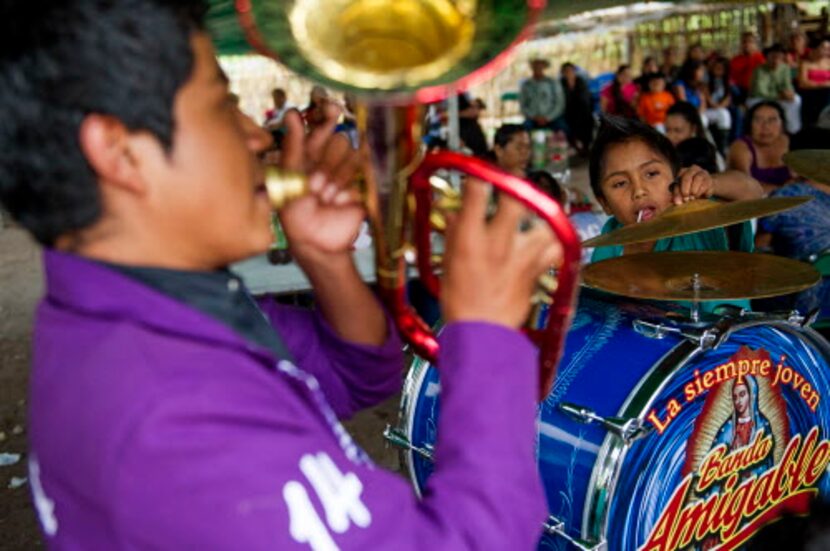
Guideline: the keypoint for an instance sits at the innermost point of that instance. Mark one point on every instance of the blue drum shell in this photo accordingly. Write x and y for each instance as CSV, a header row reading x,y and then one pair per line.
x,y
599,488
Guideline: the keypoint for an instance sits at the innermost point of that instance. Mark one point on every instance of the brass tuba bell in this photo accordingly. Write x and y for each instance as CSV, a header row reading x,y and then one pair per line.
x,y
394,55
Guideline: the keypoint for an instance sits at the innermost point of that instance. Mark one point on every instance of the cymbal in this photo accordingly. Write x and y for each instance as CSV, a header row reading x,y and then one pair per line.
x,y
719,275
693,217
810,163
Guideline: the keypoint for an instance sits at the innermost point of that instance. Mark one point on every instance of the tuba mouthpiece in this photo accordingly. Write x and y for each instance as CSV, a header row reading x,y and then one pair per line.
x,y
283,186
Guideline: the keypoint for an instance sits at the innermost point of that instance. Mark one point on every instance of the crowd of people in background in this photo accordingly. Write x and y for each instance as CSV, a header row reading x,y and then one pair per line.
x,y
732,116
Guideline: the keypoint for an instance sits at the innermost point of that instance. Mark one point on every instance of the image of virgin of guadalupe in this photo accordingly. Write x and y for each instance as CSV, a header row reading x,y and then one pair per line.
x,y
741,428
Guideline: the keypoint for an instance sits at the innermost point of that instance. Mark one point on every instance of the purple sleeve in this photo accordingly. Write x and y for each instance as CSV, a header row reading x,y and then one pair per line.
x,y
205,472
352,376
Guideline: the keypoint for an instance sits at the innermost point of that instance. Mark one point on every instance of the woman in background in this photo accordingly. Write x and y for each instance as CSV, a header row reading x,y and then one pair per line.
x,y
760,152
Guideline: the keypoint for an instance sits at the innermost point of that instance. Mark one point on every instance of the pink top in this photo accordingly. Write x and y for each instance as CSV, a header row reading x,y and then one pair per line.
x,y
629,91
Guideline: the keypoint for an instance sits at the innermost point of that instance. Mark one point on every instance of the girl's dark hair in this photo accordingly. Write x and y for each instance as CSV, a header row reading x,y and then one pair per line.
x,y
754,109
690,113
726,75
700,152
61,61
623,108
547,183
617,130
688,70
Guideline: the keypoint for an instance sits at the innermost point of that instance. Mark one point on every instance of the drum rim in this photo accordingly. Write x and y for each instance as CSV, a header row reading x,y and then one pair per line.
x,y
406,413
613,451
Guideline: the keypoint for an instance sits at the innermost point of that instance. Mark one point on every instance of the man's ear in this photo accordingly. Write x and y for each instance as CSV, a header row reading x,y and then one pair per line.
x,y
106,144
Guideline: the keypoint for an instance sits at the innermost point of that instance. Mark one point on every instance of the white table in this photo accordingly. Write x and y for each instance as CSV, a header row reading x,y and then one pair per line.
x,y
262,277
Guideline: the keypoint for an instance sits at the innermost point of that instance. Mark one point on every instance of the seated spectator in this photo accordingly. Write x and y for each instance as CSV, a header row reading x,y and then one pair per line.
x,y
670,66
469,129
797,52
654,103
760,151
683,122
802,233
649,67
720,108
511,149
578,110
696,52
814,81
771,81
744,64
700,152
620,97
691,87
542,99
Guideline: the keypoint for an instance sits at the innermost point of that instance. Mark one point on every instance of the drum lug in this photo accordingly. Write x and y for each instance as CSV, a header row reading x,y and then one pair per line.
x,y
556,527
629,430
396,437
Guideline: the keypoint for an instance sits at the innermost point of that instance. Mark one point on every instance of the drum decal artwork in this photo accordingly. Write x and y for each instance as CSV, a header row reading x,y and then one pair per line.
x,y
732,435
742,467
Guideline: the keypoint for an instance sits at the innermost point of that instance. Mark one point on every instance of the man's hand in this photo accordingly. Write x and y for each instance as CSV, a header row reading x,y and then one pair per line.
x,y
692,183
327,219
491,268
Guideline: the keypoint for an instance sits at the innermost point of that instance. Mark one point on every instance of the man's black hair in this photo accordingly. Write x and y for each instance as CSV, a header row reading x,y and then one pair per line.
x,y
506,132
616,130
700,152
61,61
774,49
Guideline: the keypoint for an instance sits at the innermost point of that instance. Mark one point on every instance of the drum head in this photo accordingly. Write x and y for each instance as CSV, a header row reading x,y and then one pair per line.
x,y
739,437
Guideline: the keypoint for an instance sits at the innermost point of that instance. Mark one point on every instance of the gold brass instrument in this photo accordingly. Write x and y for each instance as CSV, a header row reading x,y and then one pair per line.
x,y
393,55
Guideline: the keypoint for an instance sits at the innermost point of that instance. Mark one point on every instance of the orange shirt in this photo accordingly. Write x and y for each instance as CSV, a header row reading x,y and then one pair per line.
x,y
652,106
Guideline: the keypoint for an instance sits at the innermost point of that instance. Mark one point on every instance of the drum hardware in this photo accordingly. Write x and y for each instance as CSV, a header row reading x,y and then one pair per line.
x,y
705,338
398,438
715,275
693,217
810,163
629,430
556,527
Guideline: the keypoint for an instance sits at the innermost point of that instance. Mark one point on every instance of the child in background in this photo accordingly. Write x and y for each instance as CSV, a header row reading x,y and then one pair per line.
x,y
655,101
635,175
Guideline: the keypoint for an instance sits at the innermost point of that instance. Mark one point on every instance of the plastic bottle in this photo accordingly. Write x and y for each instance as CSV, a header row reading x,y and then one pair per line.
x,y
558,164
539,148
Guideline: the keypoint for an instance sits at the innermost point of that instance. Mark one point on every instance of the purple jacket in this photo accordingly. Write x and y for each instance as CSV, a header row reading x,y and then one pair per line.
x,y
154,426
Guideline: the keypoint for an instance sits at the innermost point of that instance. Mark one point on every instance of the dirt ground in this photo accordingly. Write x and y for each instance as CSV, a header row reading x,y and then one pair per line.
x,y
21,284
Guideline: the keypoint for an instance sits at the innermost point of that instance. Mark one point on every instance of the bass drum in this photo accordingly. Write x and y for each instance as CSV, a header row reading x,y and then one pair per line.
x,y
661,435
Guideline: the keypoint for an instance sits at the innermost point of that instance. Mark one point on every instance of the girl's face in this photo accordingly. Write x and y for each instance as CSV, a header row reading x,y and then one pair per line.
x,y
767,125
678,129
635,182
718,69
624,77
650,66
515,154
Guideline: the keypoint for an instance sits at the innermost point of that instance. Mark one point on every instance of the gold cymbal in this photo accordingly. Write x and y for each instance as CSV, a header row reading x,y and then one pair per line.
x,y
810,163
693,217
699,275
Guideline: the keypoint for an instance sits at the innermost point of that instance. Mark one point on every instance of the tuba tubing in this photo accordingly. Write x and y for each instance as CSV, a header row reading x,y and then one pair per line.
x,y
549,340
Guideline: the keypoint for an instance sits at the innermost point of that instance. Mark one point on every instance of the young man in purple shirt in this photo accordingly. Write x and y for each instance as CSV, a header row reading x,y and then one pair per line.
x,y
169,409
